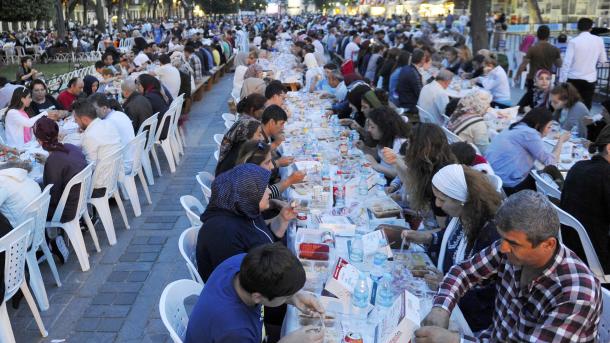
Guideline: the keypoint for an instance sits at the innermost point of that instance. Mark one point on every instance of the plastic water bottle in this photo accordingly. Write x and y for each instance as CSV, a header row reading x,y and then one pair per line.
x,y
339,191
574,132
385,295
356,253
360,295
363,187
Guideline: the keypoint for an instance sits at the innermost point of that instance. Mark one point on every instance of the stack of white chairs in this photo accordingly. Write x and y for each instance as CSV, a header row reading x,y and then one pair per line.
x,y
15,245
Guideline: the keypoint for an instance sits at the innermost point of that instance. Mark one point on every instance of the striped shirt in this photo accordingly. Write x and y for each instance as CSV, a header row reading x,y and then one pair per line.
x,y
563,304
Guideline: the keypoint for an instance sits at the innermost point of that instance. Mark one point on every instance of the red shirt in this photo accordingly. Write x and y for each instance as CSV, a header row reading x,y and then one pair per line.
x,y
66,99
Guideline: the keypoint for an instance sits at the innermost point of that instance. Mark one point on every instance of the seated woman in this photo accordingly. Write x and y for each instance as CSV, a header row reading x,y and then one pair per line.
x,y
232,221
368,101
242,61
513,152
251,107
570,112
388,130
18,128
41,100
151,88
64,161
539,95
242,131
496,82
428,151
91,84
467,120
471,201
314,73
259,153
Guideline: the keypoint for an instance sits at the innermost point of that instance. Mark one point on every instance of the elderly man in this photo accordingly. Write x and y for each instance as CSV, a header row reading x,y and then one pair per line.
x,y
545,292
136,106
433,98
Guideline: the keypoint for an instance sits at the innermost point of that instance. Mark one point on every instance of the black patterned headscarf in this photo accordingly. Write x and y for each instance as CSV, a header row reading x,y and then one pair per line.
x,y
240,190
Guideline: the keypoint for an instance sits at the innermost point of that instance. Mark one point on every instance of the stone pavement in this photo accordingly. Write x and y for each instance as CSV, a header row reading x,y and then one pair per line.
x,y
117,299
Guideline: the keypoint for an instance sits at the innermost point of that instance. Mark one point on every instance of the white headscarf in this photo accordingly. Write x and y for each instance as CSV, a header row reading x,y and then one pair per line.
x,y
451,181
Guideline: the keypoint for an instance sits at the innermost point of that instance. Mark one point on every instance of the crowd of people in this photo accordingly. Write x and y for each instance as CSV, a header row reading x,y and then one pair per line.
x,y
504,261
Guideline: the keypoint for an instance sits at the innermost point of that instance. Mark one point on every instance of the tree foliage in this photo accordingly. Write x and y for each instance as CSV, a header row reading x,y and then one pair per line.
x,y
218,7
252,5
26,10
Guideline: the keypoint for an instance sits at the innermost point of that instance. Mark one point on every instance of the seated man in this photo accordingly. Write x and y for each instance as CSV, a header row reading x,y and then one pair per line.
x,y
67,98
229,307
545,292
434,98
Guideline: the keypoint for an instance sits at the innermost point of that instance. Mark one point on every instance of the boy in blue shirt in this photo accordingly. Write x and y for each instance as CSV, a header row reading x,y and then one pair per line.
x,y
229,307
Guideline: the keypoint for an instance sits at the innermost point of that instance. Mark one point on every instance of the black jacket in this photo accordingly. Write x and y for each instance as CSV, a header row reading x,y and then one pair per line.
x,y
138,109
409,86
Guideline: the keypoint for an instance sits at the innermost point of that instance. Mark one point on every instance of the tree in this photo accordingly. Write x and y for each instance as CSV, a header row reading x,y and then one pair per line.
x,y
99,13
535,17
478,30
23,10
218,7
59,13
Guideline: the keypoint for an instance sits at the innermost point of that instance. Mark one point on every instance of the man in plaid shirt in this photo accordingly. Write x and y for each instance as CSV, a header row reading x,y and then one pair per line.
x,y
545,292
194,62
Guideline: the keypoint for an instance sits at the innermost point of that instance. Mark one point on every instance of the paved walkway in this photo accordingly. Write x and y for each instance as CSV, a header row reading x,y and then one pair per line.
x,y
117,299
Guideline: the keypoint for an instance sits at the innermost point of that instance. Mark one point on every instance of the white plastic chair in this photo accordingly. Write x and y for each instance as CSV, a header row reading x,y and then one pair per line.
x,y
603,331
228,124
217,155
427,117
72,228
37,209
129,181
496,181
150,124
166,143
171,307
451,137
15,245
176,139
205,179
106,176
568,220
187,244
218,138
544,186
229,117
193,208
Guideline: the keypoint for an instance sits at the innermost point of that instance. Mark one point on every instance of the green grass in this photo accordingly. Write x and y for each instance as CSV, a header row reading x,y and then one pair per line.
x,y
48,70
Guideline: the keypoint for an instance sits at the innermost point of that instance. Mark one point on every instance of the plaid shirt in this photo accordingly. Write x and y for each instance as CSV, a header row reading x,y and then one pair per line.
x,y
195,63
563,304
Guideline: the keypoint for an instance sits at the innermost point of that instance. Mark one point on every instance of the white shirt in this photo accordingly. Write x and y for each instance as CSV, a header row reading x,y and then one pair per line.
x,y
170,78
351,51
319,52
238,80
17,190
140,59
433,99
124,127
15,124
582,55
257,41
496,82
100,133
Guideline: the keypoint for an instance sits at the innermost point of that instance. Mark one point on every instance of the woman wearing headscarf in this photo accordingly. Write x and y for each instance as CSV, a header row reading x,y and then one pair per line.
x,y
467,120
254,70
251,86
467,196
537,96
241,66
150,87
243,130
232,222
314,73
64,161
91,84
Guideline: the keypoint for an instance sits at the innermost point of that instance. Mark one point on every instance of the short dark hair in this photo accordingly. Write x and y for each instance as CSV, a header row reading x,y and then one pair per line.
x,y
274,112
536,119
271,270
543,32
275,87
37,82
584,24
464,152
251,103
73,81
189,49
100,64
330,66
164,59
84,108
417,56
99,100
